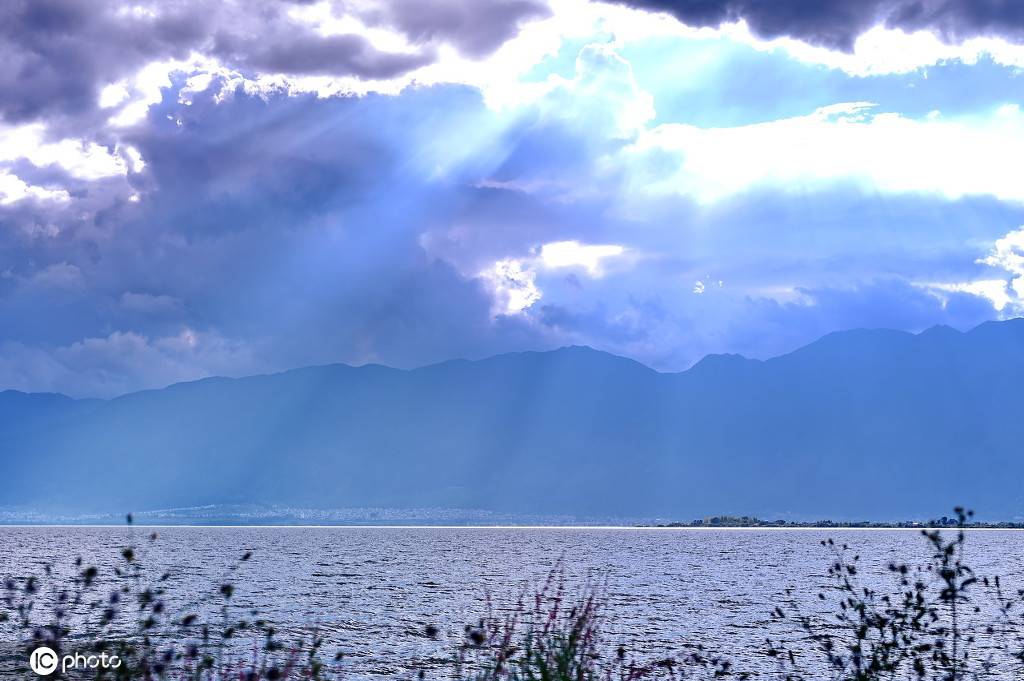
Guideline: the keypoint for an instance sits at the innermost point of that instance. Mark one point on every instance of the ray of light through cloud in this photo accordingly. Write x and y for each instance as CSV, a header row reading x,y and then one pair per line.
x,y
406,183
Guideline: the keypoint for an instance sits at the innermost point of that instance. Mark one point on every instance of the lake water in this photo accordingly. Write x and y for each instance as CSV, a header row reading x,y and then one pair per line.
x,y
372,590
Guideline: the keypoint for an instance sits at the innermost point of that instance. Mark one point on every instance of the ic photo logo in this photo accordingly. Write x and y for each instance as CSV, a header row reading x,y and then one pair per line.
x,y
44,661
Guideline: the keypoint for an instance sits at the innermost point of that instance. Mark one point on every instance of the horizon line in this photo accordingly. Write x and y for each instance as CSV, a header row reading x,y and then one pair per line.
x,y
699,528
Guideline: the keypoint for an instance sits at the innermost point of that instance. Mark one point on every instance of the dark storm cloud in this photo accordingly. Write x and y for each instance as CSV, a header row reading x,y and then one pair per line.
x,y
349,54
56,55
958,20
837,23
475,28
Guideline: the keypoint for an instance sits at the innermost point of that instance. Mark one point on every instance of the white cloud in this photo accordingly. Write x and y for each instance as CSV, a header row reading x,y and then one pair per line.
x,y
1006,295
113,94
145,88
131,99
514,286
1008,255
81,159
886,152
13,188
574,254
604,96
996,291
135,160
513,281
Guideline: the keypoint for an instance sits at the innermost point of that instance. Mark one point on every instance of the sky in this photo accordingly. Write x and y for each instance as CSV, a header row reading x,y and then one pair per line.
x,y
197,188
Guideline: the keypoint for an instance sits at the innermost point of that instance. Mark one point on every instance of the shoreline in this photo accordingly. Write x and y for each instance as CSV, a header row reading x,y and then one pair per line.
x,y
639,528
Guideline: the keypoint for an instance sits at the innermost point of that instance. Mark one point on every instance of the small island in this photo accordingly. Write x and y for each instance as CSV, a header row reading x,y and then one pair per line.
x,y
724,521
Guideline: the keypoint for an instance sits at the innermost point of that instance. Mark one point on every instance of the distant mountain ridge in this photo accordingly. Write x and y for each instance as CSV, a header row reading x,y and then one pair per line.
x,y
859,424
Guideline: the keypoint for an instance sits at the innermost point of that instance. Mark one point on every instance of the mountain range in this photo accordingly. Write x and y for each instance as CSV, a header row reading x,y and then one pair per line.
x,y
871,424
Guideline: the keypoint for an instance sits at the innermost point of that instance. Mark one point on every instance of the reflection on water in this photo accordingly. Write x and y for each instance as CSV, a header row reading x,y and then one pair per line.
x,y
371,591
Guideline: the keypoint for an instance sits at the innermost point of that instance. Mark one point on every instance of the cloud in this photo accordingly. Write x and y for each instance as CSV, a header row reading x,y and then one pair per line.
x,y
836,24
58,275
513,281
67,59
237,223
886,152
122,362
560,254
994,290
261,225
87,161
618,329
310,54
885,51
1008,255
856,45
514,287
13,188
149,303
475,28
603,95
1005,294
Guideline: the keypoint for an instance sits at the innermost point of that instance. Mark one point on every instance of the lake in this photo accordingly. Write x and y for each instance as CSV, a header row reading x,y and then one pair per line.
x,y
371,591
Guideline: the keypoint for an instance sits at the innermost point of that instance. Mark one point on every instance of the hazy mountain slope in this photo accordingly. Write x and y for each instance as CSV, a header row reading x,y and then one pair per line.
x,y
862,423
